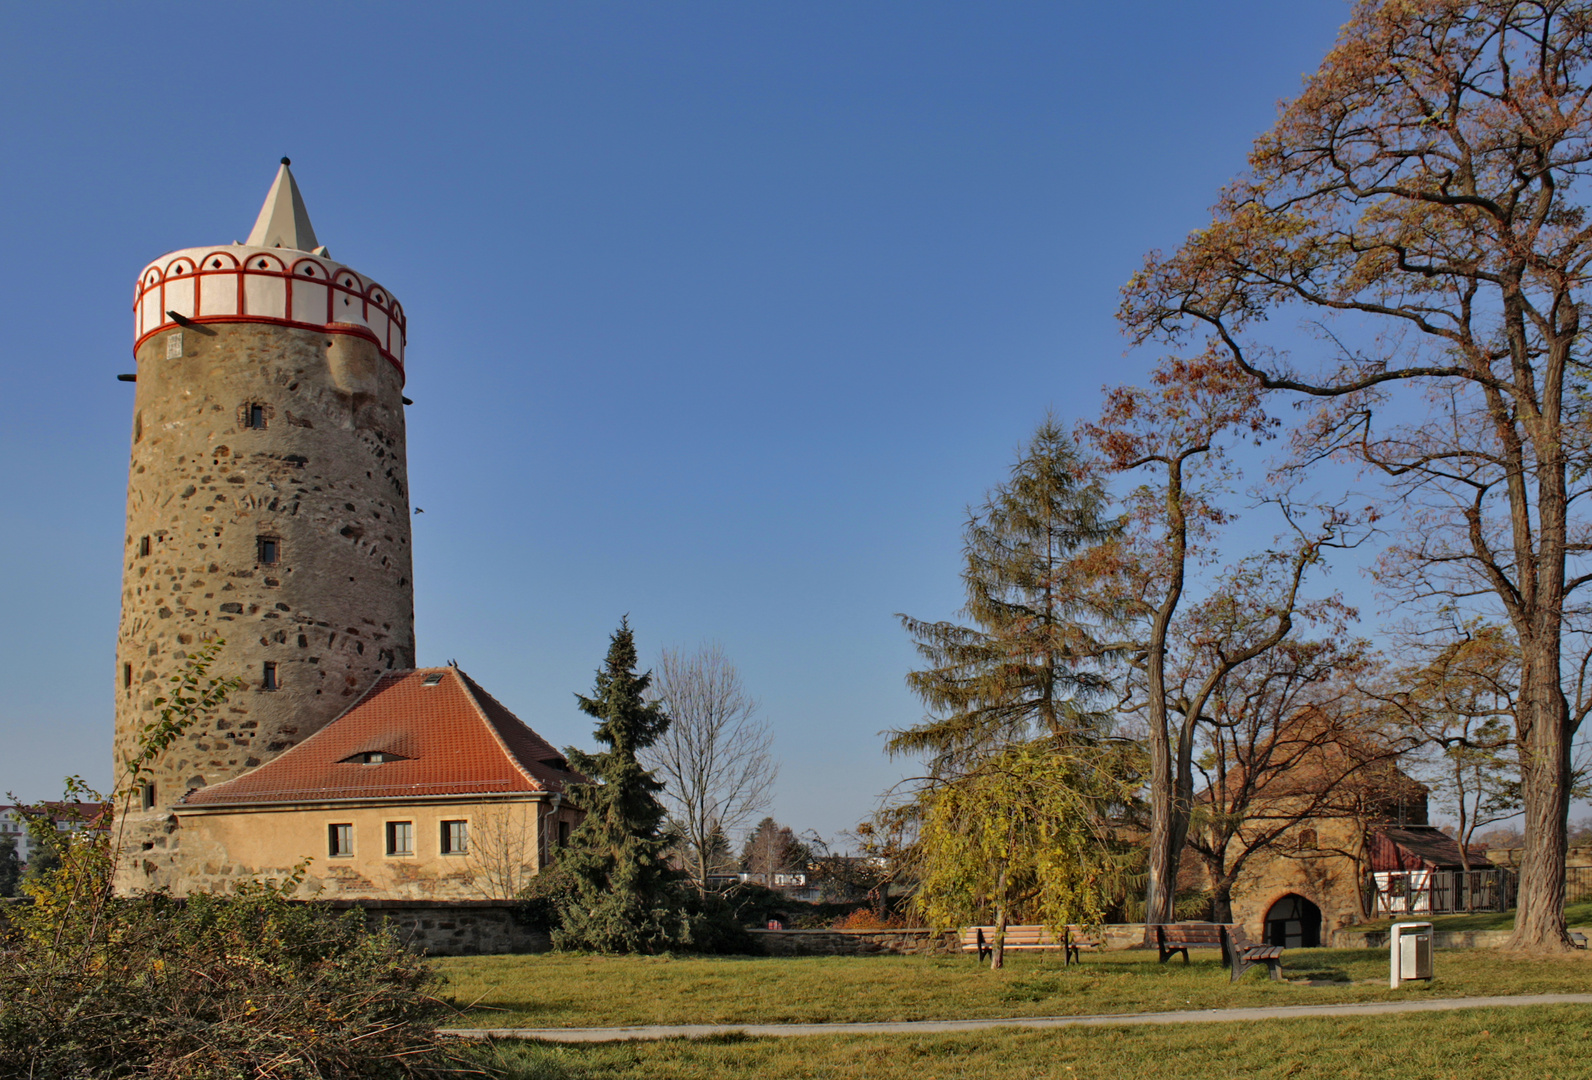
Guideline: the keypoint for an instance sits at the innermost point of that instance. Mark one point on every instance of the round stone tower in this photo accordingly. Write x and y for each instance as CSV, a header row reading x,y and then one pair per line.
x,y
267,506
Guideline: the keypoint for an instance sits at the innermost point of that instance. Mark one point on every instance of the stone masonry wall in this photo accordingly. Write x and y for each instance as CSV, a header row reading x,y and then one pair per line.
x,y
461,928
915,942
326,479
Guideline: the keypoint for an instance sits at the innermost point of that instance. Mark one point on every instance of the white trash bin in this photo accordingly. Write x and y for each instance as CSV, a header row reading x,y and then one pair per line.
x,y
1410,953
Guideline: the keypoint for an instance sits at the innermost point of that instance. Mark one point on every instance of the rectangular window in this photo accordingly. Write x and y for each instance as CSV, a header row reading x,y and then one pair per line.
x,y
127,676
254,416
268,676
143,547
340,841
147,796
400,838
270,549
455,838
563,834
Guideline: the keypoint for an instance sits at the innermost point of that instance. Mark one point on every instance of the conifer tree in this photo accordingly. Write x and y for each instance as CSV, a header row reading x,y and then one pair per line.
x,y
621,894
10,867
1029,666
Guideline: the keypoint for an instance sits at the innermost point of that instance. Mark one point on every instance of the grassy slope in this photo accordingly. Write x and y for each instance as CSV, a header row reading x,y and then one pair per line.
x,y
560,990
1498,1044
1575,914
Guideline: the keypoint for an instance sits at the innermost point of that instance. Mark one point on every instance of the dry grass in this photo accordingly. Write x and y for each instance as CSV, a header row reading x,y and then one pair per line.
x,y
1546,1043
560,990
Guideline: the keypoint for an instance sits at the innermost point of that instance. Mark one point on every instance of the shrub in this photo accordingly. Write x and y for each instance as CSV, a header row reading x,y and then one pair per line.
x,y
209,986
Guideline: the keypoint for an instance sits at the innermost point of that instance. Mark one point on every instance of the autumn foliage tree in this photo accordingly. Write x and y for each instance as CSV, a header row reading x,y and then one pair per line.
x,y
1172,441
1422,201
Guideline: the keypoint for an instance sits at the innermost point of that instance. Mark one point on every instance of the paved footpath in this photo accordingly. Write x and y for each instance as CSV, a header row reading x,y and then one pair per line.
x,y
939,1027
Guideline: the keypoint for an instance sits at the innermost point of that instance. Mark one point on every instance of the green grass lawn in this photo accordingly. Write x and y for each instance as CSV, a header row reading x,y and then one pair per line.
x,y
563,990
1577,915
1546,1043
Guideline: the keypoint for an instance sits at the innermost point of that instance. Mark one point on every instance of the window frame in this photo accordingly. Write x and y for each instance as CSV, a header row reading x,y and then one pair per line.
x,y
269,678
446,845
393,851
335,849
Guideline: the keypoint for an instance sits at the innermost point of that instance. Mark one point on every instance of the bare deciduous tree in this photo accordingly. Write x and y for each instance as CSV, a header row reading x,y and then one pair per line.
x,y
502,856
1423,200
716,759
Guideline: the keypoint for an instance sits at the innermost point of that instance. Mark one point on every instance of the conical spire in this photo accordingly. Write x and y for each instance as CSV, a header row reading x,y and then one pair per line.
x,y
283,221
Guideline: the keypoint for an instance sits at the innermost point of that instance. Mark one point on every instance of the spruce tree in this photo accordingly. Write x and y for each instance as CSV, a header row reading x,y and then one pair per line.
x,y
621,895
1029,666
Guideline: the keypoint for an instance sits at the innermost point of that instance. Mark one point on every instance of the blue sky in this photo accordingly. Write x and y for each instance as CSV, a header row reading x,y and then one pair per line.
x,y
720,314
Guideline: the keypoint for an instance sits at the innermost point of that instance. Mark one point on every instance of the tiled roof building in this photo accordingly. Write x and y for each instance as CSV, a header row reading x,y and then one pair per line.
x,y
425,788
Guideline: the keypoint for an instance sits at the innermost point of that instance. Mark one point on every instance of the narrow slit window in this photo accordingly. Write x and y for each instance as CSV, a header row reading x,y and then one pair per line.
x,y
268,676
254,416
340,841
147,796
400,838
270,549
127,676
143,547
455,838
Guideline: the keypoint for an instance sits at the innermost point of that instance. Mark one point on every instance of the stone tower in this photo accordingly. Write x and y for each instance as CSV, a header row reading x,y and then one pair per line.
x,y
267,505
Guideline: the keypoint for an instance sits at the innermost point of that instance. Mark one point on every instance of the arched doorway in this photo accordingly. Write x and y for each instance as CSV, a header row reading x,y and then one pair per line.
x,y
1294,923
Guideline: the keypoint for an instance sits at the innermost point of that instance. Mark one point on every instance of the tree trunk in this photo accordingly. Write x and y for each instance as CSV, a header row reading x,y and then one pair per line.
x,y
1545,775
997,956
1166,836
1221,899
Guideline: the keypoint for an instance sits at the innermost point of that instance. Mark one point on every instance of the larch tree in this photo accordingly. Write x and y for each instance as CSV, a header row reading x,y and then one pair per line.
x,y
1030,665
1422,201
621,897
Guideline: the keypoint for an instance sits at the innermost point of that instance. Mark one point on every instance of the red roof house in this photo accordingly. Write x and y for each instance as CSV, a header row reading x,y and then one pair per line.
x,y
427,787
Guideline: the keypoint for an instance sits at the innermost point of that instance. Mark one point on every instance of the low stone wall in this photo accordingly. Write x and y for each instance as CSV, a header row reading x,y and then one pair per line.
x,y
456,928
916,942
1441,939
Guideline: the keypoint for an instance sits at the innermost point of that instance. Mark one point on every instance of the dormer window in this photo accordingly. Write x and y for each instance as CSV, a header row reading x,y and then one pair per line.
x,y
373,757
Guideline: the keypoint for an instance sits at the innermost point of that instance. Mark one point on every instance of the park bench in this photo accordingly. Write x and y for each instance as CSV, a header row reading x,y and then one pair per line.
x,y
1238,953
981,939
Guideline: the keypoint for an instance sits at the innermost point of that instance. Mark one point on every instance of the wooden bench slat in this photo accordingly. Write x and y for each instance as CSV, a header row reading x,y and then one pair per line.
x,y
1238,953
981,939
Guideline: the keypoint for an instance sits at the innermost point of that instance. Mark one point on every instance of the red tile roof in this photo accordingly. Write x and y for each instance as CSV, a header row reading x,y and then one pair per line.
x,y
450,738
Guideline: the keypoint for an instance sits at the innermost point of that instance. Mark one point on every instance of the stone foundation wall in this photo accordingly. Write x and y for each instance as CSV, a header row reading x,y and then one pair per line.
x,y
916,942
461,928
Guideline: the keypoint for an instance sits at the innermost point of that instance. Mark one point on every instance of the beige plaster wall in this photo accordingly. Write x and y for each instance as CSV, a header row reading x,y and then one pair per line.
x,y
223,846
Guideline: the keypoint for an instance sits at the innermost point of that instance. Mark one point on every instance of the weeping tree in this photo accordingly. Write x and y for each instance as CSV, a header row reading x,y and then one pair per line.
x,y
1025,836
1029,665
